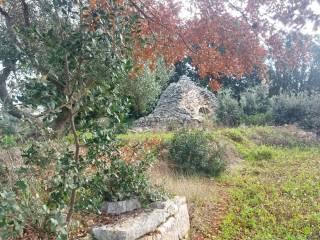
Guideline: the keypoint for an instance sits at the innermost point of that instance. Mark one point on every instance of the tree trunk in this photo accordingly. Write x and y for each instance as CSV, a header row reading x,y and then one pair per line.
x,y
4,95
61,121
76,158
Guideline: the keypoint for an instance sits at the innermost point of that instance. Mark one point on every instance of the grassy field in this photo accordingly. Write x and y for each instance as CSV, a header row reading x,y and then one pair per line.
x,y
273,193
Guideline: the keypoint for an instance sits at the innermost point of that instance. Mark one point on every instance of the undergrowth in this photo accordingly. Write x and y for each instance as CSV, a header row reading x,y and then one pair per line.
x,y
273,195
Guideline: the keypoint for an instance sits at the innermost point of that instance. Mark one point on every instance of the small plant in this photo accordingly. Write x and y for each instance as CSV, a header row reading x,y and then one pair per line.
x,y
7,141
8,125
235,135
173,125
150,82
261,153
228,110
255,100
122,181
196,152
11,216
258,119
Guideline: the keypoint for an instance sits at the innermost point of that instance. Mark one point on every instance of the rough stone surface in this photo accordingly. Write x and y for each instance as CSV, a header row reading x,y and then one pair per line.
x,y
182,103
175,228
119,207
169,222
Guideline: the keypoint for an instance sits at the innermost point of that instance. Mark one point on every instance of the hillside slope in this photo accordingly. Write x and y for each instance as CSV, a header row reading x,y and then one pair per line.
x,y
272,190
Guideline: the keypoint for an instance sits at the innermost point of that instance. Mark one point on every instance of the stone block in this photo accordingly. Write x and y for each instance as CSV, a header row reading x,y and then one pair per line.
x,y
168,221
175,228
120,207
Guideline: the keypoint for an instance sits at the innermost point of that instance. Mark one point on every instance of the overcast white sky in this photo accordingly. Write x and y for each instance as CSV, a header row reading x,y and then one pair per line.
x,y
308,29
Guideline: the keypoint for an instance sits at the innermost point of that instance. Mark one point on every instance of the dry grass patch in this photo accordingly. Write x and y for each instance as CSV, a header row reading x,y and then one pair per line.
x,y
207,198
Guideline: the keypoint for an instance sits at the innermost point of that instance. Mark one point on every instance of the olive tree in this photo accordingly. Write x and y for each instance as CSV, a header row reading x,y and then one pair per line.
x,y
66,59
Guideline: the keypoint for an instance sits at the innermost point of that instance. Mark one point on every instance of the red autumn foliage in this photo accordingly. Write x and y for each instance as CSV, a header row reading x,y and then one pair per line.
x,y
223,37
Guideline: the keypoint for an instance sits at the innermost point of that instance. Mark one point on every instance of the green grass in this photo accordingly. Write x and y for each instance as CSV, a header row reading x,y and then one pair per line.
x,y
275,195
275,198
143,136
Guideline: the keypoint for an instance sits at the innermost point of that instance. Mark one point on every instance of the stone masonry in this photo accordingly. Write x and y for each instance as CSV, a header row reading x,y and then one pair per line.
x,y
167,220
182,103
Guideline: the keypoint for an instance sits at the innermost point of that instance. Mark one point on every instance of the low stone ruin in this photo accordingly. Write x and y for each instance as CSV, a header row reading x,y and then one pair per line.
x,y
182,103
117,208
167,220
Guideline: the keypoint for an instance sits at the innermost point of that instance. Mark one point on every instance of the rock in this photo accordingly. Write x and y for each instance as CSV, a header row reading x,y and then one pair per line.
x,y
170,222
119,207
182,103
175,228
87,237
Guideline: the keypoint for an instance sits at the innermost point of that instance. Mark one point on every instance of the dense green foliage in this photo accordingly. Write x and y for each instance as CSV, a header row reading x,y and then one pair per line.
x,y
196,152
144,91
122,181
228,110
255,100
8,124
69,78
302,109
256,107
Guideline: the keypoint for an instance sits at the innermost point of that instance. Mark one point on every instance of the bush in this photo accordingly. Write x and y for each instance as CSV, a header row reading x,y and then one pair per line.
x,y
261,153
289,109
196,152
228,110
145,90
122,181
257,119
8,125
255,100
256,106
302,109
11,216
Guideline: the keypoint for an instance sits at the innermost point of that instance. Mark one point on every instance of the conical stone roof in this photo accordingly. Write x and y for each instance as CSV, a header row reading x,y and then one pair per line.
x,y
182,103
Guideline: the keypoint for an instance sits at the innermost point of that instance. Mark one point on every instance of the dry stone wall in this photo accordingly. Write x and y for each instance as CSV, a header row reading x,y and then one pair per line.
x,y
167,220
182,103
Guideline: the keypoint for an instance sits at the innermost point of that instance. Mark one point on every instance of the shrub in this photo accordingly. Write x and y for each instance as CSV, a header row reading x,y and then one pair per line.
x,y
255,100
290,108
145,90
235,135
302,109
228,110
257,119
122,181
22,206
8,125
260,153
11,216
196,152
256,106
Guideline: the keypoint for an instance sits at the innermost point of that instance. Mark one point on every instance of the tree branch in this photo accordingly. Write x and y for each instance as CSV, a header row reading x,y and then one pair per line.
x,y
5,14
4,95
161,24
26,13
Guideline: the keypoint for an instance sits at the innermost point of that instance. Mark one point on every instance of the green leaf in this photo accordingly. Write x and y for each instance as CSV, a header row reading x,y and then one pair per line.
x,y
22,185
